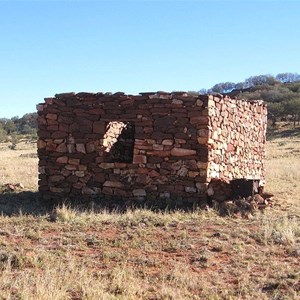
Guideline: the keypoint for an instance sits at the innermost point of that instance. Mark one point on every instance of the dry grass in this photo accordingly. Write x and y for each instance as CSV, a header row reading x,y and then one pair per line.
x,y
18,166
145,255
283,169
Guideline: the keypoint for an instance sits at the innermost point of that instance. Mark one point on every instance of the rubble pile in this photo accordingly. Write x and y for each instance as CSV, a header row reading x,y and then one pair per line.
x,y
245,206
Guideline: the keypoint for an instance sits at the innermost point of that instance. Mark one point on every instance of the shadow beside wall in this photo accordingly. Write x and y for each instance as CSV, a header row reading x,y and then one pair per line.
x,y
27,203
31,203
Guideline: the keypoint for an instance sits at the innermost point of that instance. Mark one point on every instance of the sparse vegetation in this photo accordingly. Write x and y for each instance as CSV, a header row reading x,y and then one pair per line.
x,y
139,254
145,255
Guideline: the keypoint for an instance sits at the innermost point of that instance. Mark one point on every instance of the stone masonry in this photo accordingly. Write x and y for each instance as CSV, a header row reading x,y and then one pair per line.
x,y
172,148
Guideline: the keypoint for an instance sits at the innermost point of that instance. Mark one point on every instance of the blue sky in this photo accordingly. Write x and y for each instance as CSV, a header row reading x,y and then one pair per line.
x,y
49,47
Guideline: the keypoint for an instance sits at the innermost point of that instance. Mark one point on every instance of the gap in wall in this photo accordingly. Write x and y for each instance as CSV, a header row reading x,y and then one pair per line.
x,y
118,142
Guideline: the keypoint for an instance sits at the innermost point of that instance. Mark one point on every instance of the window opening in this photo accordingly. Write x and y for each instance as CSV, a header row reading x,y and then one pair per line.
x,y
118,141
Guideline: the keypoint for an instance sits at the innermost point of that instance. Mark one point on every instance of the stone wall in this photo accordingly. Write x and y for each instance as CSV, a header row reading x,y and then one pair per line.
x,y
237,137
236,141
75,146
153,147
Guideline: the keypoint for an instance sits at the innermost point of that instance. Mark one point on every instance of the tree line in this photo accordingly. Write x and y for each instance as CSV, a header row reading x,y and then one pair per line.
x,y
11,129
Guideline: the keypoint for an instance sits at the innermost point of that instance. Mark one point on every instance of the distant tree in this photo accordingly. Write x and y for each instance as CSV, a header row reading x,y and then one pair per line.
x,y
250,95
9,126
287,77
26,129
17,123
223,87
260,80
293,86
25,125
293,108
217,88
240,85
275,110
29,119
277,94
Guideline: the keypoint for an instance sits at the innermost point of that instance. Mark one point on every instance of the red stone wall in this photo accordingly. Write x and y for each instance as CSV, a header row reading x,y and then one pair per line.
x,y
237,137
169,160
149,148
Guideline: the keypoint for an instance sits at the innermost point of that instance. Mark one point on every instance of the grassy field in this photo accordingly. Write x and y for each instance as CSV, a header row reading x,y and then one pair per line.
x,y
145,255
283,165
20,165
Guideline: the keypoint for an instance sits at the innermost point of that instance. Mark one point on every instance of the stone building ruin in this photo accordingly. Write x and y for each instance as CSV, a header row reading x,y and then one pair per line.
x,y
168,148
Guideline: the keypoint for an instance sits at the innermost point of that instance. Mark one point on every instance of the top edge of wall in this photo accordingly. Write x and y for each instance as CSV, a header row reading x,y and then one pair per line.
x,y
158,94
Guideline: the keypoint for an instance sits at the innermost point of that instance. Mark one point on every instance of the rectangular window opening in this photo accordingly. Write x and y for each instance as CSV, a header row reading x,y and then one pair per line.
x,y
118,142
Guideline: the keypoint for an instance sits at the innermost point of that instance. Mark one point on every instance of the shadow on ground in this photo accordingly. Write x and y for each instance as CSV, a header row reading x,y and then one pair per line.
x,y
275,134
26,202
30,203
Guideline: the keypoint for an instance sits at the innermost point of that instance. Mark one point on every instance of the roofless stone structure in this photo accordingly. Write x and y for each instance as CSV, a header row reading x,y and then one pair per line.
x,y
168,148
